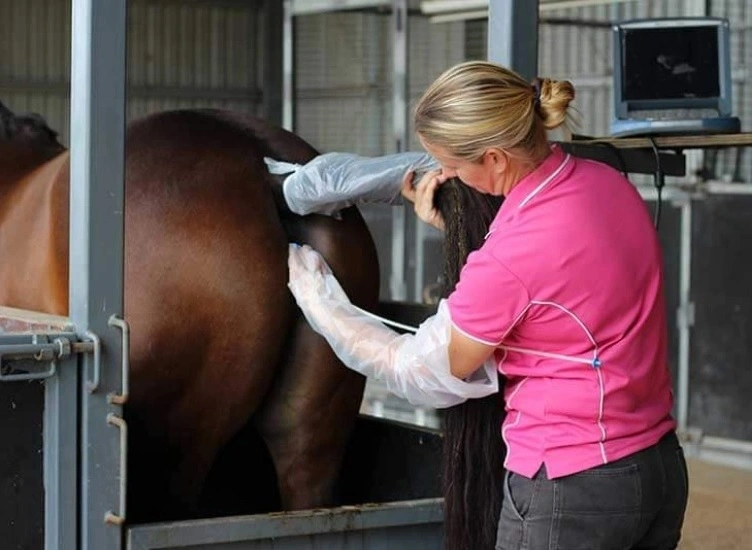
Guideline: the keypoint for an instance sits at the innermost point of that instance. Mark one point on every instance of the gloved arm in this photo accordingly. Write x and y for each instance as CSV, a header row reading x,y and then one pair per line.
x,y
333,181
414,367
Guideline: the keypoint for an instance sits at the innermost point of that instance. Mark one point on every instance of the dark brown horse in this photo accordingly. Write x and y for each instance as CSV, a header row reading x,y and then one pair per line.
x,y
216,338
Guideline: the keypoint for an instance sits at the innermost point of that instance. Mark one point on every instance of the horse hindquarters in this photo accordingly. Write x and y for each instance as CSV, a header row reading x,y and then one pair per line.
x,y
307,431
206,273
206,265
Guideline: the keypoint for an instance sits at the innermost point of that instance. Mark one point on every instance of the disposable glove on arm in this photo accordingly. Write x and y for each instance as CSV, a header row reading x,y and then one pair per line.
x,y
414,367
333,181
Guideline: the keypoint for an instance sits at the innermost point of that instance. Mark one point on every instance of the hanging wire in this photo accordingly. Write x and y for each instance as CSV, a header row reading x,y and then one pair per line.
x,y
659,180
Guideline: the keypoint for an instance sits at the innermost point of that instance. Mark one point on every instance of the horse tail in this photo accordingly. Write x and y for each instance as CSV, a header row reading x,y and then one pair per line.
x,y
473,453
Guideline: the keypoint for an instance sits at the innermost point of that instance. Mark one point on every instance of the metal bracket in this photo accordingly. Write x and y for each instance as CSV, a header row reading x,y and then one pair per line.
x,y
43,348
111,517
96,345
122,398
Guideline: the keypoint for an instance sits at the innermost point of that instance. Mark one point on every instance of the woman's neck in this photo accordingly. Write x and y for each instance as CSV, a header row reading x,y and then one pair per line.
x,y
520,167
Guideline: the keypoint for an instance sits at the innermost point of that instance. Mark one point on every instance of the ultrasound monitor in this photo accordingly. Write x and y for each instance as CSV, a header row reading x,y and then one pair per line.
x,y
672,76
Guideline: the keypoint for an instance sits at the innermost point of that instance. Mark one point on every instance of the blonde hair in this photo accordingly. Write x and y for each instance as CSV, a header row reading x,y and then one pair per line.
x,y
477,105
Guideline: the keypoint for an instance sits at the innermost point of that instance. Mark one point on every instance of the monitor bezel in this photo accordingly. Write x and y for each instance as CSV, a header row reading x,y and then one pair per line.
x,y
722,103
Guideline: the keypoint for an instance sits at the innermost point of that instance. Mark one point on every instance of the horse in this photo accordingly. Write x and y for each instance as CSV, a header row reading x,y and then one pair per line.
x,y
217,341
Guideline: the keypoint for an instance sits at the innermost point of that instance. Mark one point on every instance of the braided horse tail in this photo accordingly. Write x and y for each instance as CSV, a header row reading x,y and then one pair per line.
x,y
473,454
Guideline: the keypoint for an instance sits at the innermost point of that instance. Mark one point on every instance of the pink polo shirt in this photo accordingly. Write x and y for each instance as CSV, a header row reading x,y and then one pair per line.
x,y
568,285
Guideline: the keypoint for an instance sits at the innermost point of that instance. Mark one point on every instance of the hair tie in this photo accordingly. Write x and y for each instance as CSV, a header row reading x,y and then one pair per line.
x,y
537,93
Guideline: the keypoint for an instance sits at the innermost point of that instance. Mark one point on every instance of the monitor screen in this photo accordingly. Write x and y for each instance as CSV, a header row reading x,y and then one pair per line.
x,y
670,63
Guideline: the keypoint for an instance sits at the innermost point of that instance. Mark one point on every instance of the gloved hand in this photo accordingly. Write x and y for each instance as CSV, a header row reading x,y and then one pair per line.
x,y
414,367
333,181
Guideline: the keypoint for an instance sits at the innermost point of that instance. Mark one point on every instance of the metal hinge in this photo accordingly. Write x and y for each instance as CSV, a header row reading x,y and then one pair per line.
x,y
685,315
20,362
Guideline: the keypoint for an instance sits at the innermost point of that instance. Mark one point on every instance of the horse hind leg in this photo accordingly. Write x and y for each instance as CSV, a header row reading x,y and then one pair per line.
x,y
307,432
313,404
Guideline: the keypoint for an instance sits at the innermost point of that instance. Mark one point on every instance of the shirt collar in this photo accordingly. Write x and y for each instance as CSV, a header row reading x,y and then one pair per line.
x,y
536,181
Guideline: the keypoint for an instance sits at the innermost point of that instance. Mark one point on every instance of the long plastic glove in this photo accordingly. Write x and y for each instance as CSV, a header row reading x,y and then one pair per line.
x,y
333,181
414,367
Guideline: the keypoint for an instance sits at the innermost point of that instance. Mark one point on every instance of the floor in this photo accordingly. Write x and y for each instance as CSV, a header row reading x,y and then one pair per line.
x,y
719,514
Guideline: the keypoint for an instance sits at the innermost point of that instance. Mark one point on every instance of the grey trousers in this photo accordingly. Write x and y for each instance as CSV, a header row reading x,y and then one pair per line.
x,y
637,502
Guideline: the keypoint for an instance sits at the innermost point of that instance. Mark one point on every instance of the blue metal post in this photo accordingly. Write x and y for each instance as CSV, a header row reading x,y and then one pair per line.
x,y
400,132
60,453
513,35
96,256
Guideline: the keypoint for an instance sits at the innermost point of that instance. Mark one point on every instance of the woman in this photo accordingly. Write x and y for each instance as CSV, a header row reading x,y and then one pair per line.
x,y
565,298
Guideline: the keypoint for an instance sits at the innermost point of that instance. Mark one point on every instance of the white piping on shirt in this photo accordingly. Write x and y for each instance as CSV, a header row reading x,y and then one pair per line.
x,y
546,181
538,189
594,362
513,424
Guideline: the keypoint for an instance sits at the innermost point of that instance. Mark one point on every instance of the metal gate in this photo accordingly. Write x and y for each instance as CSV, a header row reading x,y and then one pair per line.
x,y
38,374
393,468
69,373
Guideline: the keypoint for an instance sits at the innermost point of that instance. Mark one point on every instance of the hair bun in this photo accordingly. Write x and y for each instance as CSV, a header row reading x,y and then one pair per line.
x,y
553,100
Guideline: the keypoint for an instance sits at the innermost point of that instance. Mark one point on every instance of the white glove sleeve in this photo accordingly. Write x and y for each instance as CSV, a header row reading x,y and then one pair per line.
x,y
414,367
333,181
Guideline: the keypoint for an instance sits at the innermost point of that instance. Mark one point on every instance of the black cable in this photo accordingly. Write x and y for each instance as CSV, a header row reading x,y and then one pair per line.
x,y
659,180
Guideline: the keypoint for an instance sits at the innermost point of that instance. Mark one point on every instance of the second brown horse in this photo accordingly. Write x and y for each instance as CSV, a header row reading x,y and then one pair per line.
x,y
216,338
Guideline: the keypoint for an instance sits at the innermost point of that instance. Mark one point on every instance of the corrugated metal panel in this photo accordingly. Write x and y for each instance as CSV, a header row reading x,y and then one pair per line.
x,y
35,61
433,49
476,40
344,76
736,164
341,81
192,54
181,53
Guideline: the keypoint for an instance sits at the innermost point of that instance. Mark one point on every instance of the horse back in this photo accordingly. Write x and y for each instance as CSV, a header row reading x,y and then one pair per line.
x,y
34,203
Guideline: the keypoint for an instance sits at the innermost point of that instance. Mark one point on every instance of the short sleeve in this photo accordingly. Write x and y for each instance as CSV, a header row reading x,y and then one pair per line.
x,y
488,300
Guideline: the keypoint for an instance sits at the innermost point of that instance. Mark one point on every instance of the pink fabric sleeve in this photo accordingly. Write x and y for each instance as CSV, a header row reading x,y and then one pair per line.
x,y
488,300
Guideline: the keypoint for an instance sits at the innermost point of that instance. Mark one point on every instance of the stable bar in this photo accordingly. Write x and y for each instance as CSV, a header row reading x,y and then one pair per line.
x,y
678,142
367,526
513,35
301,7
398,282
684,318
633,161
288,67
96,251
273,20
60,456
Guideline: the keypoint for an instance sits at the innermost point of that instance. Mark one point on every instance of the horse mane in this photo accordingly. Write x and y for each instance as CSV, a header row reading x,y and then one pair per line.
x,y
28,134
473,457
33,129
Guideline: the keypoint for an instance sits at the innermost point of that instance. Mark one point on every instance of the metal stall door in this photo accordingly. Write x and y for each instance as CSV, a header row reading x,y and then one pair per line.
x,y
62,381
413,525
38,387
389,498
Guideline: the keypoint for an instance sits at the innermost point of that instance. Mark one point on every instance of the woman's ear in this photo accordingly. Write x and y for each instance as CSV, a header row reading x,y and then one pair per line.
x,y
497,159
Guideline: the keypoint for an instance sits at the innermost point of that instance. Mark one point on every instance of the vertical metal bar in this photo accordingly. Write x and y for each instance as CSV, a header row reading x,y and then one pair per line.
x,y
685,315
60,454
696,157
695,8
288,67
513,35
96,248
398,283
273,21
